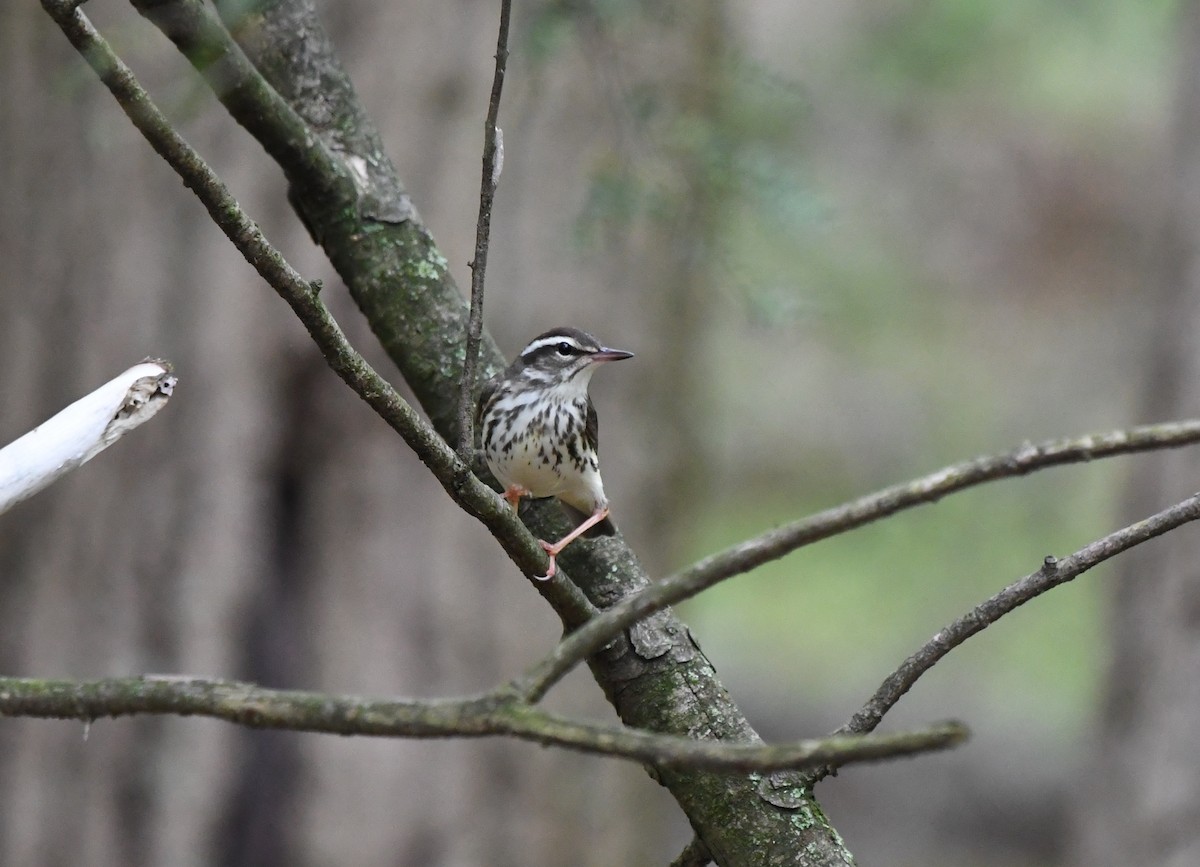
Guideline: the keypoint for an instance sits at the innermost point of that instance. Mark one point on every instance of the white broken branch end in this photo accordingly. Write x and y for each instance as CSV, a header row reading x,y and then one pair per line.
x,y
83,430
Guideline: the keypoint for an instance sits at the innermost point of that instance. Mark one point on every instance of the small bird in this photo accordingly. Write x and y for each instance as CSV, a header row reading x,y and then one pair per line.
x,y
539,429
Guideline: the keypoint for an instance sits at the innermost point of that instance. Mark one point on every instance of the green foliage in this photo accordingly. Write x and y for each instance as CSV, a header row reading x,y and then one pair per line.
x,y
1079,58
546,27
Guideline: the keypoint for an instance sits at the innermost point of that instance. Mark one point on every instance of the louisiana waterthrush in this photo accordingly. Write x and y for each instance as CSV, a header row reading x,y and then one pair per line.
x,y
539,431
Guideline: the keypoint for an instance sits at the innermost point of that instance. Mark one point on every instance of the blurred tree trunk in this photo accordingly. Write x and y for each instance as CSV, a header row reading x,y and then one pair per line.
x,y
1143,805
658,196
681,260
246,540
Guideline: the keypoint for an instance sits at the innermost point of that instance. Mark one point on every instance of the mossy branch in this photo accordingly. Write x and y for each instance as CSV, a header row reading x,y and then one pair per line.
x,y
487,715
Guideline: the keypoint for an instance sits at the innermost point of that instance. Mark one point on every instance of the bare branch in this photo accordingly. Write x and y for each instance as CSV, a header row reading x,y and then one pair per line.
x,y
1052,573
771,546
493,714
1021,461
78,433
493,162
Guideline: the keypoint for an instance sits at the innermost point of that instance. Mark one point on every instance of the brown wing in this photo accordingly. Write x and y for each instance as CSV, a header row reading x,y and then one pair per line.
x,y
591,428
485,395
591,437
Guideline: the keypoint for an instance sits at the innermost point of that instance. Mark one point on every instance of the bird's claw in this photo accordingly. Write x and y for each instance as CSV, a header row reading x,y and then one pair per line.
x,y
552,552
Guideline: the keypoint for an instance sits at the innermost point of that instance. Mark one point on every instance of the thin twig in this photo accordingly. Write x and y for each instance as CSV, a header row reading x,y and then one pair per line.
x,y
1052,573
770,546
489,715
475,497
493,163
196,30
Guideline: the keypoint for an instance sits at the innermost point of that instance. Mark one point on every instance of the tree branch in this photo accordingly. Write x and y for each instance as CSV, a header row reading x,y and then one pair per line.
x,y
488,715
1021,461
201,37
493,164
77,434
1052,573
752,553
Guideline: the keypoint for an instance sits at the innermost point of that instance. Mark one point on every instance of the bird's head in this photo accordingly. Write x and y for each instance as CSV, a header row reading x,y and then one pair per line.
x,y
564,357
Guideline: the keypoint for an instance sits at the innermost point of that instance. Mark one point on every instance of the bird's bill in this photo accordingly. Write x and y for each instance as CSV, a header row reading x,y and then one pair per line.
x,y
606,354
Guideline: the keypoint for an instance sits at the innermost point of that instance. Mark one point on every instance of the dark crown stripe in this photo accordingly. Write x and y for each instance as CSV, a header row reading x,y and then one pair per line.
x,y
549,343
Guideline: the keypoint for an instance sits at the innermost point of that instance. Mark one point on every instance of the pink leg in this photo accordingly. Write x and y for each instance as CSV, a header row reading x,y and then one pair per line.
x,y
555,549
513,494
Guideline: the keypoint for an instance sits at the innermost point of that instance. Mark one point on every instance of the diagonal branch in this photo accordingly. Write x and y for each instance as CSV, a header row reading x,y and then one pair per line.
x,y
200,36
1024,459
1053,573
487,715
493,164
752,553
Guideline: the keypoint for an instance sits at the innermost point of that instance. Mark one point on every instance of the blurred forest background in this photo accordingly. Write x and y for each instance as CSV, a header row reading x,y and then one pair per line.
x,y
850,241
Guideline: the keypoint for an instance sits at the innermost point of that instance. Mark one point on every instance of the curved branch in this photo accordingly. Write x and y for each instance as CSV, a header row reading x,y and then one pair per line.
x,y
1024,459
752,553
489,715
1053,573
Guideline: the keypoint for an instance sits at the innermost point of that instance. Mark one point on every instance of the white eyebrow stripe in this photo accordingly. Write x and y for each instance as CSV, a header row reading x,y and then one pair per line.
x,y
552,341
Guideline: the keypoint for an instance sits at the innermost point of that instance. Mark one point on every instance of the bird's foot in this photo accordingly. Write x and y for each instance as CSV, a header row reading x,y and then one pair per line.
x,y
513,494
552,552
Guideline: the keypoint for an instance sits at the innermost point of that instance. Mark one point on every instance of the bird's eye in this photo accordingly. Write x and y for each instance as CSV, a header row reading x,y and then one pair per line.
x,y
565,349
